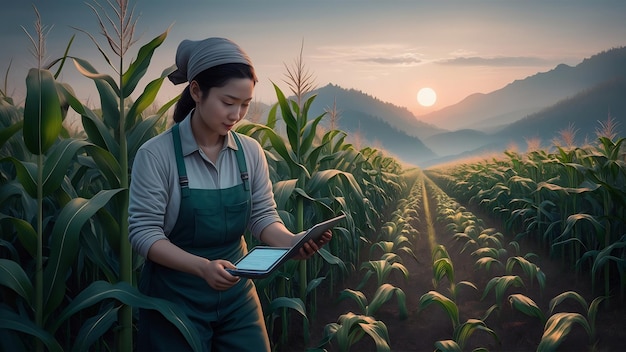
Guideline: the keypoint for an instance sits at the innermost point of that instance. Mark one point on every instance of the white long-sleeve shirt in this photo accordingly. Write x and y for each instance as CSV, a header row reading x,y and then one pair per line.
x,y
155,192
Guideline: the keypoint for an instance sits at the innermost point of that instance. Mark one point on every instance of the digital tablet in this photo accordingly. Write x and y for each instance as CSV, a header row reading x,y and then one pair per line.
x,y
262,260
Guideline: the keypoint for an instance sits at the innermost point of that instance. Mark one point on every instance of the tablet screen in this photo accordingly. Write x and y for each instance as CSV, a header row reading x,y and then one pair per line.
x,y
261,258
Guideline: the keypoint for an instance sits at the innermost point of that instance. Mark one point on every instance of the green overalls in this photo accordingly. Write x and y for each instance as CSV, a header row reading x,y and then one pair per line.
x,y
210,224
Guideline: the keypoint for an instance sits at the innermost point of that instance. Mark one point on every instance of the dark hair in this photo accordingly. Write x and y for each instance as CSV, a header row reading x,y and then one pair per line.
x,y
216,76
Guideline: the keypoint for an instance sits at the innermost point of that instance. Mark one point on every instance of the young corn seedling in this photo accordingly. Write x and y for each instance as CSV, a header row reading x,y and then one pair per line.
x,y
500,285
381,296
560,324
530,269
462,335
443,267
351,328
382,269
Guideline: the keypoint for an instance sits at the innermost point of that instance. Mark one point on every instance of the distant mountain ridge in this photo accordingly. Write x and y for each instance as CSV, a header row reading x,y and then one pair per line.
x,y
539,106
350,99
532,94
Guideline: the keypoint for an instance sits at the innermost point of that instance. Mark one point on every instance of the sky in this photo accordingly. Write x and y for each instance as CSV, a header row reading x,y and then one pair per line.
x,y
386,49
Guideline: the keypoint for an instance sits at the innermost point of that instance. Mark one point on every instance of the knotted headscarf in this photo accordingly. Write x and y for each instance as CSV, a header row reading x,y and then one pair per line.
x,y
195,56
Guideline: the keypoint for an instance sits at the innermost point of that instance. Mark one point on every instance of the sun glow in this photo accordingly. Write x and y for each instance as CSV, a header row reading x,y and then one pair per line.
x,y
426,97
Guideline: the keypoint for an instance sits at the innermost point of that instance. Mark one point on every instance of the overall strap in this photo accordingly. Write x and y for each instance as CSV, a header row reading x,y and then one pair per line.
x,y
241,161
180,162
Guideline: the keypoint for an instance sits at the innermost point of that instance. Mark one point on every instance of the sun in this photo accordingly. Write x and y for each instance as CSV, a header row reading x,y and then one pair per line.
x,y
426,97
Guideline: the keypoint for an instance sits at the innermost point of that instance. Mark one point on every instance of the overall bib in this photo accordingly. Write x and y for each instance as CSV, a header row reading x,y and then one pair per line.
x,y
210,224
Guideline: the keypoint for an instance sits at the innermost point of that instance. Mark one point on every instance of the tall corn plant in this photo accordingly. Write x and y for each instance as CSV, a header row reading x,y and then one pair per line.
x,y
40,131
122,130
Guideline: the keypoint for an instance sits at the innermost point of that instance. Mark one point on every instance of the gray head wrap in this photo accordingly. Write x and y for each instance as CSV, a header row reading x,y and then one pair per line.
x,y
193,57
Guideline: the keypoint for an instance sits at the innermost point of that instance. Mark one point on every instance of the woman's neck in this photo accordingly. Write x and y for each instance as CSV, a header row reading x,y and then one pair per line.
x,y
204,136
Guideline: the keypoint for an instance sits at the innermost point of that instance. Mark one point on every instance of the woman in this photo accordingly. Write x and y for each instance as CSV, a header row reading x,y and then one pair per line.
x,y
195,189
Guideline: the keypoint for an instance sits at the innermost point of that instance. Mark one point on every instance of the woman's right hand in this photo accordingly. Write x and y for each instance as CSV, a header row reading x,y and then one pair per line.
x,y
212,271
217,277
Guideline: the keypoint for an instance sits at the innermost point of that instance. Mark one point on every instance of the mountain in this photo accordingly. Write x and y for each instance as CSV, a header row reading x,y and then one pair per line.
x,y
367,120
585,112
397,117
538,107
492,111
382,125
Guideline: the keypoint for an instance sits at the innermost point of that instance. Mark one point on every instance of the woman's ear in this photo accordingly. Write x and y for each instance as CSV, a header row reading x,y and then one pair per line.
x,y
195,91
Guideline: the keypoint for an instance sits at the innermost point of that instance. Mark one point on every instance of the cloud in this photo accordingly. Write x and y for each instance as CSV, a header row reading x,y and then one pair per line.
x,y
499,61
381,55
404,60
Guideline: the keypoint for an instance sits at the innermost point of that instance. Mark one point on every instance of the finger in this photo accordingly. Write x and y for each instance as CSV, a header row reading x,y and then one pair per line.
x,y
313,246
303,253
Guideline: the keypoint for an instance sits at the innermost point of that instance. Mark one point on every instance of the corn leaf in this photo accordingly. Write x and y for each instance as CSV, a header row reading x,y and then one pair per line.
x,y
7,132
378,332
57,163
442,267
444,302
526,305
108,90
64,243
382,295
107,164
42,112
357,296
139,67
99,291
567,295
447,346
146,98
26,174
25,232
9,320
13,277
93,328
465,330
501,284
558,327
95,128
287,302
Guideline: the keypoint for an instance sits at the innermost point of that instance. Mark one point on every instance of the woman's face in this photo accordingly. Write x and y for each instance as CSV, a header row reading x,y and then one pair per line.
x,y
222,107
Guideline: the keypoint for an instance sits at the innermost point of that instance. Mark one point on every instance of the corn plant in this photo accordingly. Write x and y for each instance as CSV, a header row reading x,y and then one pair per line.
x,y
351,328
462,335
500,285
527,306
443,267
393,238
381,269
530,269
559,324
448,305
382,295
121,129
602,259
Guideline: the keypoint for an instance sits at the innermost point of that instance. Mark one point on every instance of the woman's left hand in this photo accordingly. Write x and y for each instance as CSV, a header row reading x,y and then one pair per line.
x,y
311,247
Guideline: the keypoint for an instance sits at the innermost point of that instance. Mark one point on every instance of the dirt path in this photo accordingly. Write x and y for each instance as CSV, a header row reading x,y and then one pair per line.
x,y
516,331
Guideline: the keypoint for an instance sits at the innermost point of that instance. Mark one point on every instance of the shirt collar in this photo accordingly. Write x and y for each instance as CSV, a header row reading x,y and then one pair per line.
x,y
189,144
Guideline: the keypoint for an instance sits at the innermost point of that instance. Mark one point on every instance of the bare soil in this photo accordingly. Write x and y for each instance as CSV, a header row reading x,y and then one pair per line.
x,y
515,331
